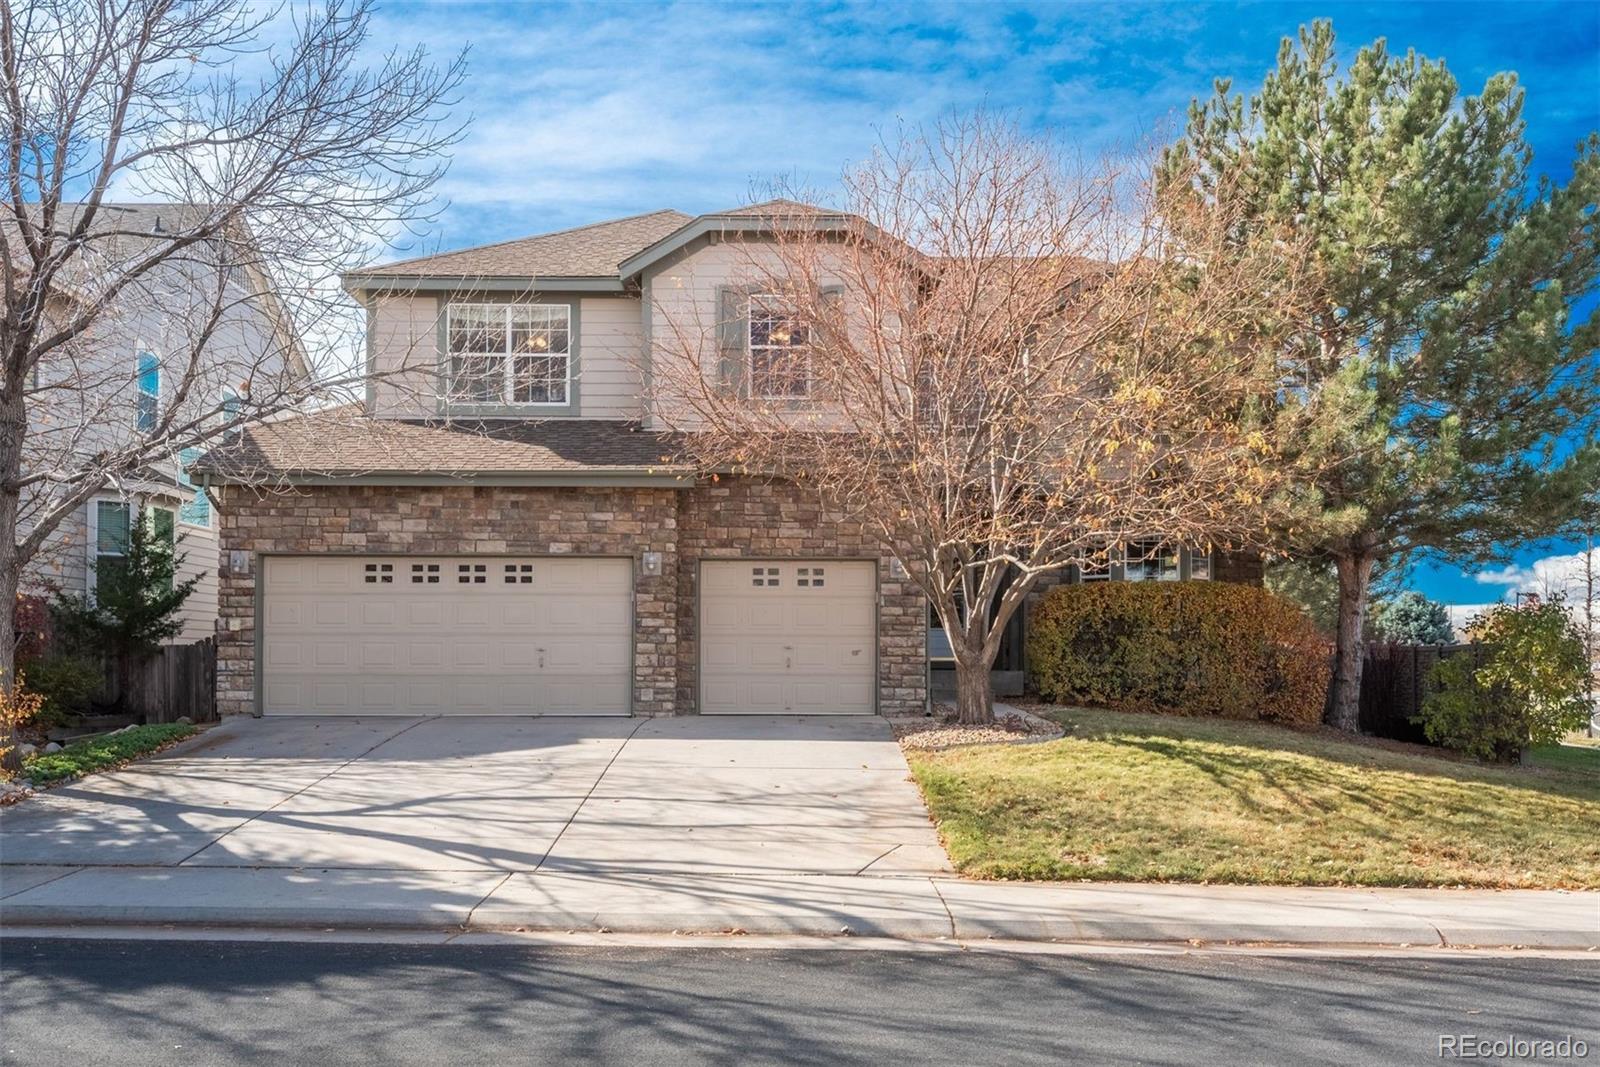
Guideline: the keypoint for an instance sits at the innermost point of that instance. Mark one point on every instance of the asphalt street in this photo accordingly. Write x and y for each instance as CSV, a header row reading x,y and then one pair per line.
x,y
87,1002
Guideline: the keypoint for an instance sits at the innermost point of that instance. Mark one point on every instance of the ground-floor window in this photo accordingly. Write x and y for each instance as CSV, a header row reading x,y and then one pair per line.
x,y
110,525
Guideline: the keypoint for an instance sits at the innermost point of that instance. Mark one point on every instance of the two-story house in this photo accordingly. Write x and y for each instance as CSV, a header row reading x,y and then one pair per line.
x,y
502,527
124,389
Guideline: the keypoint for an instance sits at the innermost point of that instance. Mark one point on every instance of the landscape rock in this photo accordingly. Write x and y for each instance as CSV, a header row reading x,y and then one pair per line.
x,y
185,720
52,747
25,750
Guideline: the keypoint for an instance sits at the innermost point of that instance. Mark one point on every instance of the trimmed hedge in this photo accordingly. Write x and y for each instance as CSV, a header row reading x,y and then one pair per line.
x,y
1186,648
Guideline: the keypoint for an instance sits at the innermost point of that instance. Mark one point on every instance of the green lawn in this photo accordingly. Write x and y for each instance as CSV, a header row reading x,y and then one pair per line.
x,y
1131,797
112,750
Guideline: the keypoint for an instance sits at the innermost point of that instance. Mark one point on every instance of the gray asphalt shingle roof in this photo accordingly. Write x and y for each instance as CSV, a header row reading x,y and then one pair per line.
x,y
346,442
592,251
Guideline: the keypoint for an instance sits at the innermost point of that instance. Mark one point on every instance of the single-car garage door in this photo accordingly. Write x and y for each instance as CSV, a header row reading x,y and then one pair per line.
x,y
470,635
783,637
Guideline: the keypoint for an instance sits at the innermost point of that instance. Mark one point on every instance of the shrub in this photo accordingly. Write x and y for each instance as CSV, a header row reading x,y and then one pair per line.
x,y
1531,688
31,618
18,706
1192,648
66,684
100,753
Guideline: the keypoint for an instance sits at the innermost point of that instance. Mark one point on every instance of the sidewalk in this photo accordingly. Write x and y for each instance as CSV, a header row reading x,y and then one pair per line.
x,y
913,908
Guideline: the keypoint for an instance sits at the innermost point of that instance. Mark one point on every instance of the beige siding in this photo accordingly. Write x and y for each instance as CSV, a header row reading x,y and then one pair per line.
x,y
198,546
611,352
683,319
63,561
405,345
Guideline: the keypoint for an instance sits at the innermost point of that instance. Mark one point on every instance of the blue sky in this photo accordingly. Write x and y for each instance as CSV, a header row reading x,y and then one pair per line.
x,y
588,111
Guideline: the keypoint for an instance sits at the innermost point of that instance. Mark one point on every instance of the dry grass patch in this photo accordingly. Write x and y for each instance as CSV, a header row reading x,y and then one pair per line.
x,y
1133,797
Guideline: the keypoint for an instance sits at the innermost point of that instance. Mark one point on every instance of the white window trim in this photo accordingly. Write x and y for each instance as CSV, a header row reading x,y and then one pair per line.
x,y
92,572
768,300
508,375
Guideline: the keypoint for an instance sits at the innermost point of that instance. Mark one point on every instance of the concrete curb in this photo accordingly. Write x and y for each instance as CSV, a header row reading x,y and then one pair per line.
x,y
908,908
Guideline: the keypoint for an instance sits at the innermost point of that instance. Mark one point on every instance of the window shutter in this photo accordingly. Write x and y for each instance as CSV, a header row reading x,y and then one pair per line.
x,y
733,339
832,297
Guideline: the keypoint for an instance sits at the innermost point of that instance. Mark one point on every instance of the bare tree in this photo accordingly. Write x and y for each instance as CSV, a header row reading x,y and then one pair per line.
x,y
185,180
1000,365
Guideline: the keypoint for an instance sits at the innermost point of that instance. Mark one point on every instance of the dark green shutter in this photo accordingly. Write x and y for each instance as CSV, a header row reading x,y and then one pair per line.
x,y
733,338
831,295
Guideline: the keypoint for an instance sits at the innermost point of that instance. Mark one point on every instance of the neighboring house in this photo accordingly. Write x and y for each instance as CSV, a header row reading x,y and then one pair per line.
x,y
502,528
113,386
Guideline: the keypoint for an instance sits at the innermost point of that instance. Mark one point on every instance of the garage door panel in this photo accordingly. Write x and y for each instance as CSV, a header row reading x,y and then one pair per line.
x,y
330,613
787,636
447,636
420,613
379,655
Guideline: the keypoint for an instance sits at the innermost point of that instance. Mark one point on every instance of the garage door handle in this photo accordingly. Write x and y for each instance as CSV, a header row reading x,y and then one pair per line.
x,y
541,658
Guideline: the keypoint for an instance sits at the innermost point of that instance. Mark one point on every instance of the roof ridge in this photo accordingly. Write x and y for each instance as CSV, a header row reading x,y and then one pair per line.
x,y
525,237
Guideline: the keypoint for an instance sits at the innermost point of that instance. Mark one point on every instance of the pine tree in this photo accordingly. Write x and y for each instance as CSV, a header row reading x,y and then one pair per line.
x,y
136,600
1442,396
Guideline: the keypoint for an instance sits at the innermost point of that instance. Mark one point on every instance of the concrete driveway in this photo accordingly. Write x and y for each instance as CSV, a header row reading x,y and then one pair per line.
x,y
736,796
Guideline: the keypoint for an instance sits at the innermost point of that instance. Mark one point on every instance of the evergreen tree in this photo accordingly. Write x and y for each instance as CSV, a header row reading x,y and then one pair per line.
x,y
137,597
1441,398
1413,619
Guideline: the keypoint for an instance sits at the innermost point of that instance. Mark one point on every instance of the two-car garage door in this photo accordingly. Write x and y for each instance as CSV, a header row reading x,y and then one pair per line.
x,y
482,635
436,635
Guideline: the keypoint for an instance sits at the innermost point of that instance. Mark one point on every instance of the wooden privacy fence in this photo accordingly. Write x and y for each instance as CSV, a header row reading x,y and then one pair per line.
x,y
178,681
1394,684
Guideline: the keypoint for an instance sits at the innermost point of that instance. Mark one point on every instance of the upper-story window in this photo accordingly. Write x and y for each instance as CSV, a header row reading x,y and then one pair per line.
x,y
509,353
780,359
196,511
147,401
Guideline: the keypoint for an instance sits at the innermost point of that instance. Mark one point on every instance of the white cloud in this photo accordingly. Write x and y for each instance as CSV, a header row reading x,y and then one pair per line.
x,y
581,113
1550,576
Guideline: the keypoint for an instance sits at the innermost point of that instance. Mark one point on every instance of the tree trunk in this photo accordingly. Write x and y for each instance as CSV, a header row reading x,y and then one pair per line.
x,y
10,758
1355,575
13,427
974,694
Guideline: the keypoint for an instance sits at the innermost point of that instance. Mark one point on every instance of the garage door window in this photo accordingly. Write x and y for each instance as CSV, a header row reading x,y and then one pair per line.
x,y
763,576
519,574
424,574
380,574
809,577
472,573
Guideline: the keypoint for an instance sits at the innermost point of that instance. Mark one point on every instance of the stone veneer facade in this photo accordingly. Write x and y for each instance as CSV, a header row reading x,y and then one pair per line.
x,y
729,520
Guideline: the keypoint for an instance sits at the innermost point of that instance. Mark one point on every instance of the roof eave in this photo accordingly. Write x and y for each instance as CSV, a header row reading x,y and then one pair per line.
x,y
357,283
618,478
